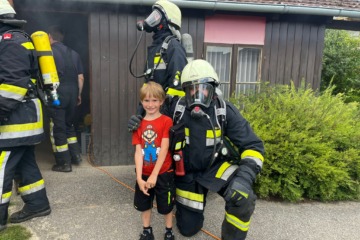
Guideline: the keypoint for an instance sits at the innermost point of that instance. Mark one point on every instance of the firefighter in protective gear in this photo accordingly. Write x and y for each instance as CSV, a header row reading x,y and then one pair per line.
x,y
205,168
21,121
63,135
166,57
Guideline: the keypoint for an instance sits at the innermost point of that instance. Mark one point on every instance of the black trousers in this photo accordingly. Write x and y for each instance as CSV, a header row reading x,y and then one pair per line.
x,y
62,130
21,160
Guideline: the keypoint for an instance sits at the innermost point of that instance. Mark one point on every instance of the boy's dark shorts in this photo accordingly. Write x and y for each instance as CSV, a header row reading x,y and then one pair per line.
x,y
164,191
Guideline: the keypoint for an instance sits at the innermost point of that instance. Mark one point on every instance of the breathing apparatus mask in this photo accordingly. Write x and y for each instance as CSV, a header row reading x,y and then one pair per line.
x,y
198,94
152,23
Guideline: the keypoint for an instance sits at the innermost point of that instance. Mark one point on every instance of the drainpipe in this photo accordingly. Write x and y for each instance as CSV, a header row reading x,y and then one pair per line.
x,y
216,5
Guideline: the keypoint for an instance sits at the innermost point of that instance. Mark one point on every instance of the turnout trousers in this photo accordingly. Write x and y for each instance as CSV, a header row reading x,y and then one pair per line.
x,y
21,160
191,201
62,131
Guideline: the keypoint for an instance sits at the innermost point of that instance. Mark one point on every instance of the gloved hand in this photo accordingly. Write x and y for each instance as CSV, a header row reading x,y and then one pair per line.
x,y
134,122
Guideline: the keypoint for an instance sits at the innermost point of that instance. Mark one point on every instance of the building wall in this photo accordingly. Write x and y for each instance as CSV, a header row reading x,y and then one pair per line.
x,y
293,52
113,38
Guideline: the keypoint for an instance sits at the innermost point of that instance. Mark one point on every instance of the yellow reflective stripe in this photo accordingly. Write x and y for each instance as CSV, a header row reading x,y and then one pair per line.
x,y
252,153
190,195
179,145
5,198
4,157
31,188
62,148
158,59
25,129
33,80
225,170
189,199
210,133
169,197
187,134
174,92
28,45
13,92
236,222
72,140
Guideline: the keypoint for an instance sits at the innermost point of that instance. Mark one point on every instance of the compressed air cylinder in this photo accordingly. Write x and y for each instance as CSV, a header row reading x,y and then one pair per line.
x,y
47,65
46,59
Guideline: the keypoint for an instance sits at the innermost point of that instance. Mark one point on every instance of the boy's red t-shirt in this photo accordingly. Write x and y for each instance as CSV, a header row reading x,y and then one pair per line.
x,y
149,136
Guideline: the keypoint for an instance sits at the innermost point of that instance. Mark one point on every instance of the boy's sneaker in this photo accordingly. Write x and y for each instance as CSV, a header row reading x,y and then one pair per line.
x,y
169,236
145,235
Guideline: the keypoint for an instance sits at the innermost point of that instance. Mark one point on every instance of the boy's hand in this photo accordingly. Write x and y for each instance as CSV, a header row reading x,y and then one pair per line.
x,y
151,182
143,187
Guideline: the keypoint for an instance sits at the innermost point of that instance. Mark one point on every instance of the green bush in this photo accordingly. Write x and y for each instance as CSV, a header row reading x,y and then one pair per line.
x,y
312,143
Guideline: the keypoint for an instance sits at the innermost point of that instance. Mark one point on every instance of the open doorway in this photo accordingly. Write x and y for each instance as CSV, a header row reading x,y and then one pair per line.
x,y
75,26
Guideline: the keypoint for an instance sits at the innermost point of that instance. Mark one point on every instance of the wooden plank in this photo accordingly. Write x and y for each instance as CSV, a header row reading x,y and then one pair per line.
x,y
105,88
94,35
199,39
274,48
123,109
312,55
281,53
304,56
319,56
289,57
297,53
265,66
114,89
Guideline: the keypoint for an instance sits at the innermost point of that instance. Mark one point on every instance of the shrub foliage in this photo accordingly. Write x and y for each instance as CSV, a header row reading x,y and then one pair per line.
x,y
312,143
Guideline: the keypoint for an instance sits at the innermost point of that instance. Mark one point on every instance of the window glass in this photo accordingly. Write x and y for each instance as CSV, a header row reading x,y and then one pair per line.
x,y
220,59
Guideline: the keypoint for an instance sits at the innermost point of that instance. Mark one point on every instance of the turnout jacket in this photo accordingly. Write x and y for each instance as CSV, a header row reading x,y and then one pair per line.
x,y
199,148
21,119
168,65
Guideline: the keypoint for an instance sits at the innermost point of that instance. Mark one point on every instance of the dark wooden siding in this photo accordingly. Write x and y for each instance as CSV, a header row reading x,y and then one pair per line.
x,y
114,92
293,52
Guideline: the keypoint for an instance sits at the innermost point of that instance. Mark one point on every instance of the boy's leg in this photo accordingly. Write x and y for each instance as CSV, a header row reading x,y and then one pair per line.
x,y
146,218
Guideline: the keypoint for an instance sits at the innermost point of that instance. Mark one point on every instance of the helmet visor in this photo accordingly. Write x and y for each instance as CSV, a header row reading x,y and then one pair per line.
x,y
153,20
198,94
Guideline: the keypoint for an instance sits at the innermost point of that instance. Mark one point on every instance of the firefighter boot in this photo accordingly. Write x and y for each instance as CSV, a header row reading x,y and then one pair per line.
x,y
63,162
24,215
74,149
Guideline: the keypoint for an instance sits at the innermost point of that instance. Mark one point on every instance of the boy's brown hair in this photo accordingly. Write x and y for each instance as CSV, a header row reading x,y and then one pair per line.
x,y
152,89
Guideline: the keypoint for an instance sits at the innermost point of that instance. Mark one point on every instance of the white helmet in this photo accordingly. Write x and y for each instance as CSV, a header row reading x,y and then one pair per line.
x,y
171,12
199,80
7,15
6,8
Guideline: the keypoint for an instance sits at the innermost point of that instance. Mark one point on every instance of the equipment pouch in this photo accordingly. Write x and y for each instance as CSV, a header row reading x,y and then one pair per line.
x,y
177,137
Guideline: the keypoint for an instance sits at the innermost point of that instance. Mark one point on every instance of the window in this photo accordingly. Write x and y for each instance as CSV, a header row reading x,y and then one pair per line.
x,y
237,66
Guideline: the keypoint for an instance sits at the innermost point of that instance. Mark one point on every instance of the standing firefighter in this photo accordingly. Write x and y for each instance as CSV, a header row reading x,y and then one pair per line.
x,y
166,57
21,120
209,122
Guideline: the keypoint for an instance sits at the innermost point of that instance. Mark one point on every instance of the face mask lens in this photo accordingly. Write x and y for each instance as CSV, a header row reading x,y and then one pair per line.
x,y
199,94
152,21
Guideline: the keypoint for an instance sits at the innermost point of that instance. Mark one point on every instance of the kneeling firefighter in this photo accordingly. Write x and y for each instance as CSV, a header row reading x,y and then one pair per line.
x,y
21,121
210,122
166,56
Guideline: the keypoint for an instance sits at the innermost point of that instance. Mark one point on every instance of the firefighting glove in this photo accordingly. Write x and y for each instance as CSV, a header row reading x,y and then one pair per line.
x,y
240,190
134,122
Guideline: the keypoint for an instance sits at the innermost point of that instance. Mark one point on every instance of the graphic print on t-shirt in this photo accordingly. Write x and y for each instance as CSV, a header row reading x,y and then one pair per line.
x,y
150,150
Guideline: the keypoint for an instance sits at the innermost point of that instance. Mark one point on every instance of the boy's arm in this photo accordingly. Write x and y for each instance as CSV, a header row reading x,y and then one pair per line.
x,y
138,166
151,182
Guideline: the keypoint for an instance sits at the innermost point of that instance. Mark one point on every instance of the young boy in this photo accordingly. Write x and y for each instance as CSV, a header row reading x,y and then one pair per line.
x,y
154,172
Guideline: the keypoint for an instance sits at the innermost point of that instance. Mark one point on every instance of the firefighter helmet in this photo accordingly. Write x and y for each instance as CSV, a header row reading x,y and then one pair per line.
x,y
199,81
199,71
171,11
7,15
6,9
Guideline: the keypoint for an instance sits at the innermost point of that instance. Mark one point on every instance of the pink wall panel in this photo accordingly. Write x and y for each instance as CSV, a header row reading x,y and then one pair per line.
x,y
235,29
